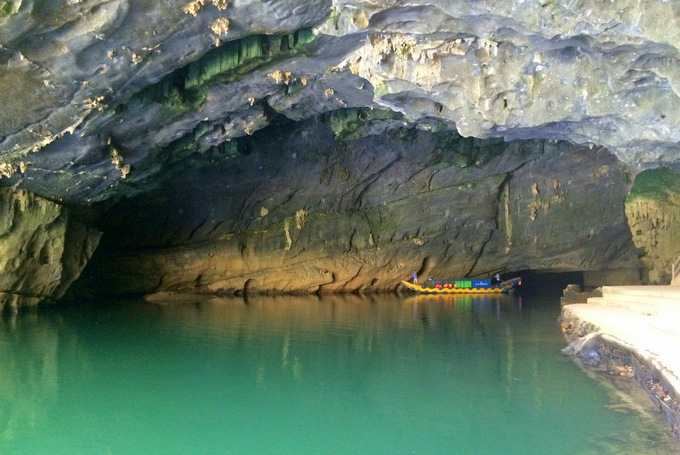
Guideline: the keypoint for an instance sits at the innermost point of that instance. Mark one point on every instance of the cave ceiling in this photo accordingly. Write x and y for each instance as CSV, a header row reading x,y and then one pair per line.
x,y
102,98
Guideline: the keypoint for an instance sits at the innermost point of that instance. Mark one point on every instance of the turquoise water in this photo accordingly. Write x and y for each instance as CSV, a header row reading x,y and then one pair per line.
x,y
302,375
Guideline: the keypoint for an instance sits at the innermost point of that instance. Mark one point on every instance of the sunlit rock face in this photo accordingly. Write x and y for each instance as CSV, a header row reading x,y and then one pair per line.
x,y
653,209
110,99
43,251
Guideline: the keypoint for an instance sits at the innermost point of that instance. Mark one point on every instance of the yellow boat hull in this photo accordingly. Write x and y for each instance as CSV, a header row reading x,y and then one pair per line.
x,y
502,288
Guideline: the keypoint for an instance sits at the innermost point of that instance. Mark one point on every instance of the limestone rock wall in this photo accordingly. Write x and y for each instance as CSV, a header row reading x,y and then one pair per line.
x,y
177,101
302,211
653,212
42,250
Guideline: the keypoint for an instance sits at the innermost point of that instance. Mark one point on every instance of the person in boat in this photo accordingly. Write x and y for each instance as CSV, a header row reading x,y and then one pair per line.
x,y
497,278
415,278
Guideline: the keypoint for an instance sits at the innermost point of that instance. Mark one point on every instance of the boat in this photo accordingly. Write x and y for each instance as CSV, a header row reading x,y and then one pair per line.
x,y
464,286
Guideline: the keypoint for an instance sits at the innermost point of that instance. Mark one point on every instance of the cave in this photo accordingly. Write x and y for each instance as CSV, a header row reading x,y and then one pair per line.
x,y
211,208
332,149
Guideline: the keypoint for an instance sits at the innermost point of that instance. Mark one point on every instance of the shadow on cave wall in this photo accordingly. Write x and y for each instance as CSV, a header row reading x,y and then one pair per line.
x,y
302,206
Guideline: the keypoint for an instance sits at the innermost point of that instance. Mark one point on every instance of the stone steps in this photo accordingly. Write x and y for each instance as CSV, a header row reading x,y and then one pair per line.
x,y
666,292
644,320
660,304
648,305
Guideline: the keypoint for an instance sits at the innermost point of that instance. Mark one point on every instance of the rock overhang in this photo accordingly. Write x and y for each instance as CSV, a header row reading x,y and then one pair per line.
x,y
111,91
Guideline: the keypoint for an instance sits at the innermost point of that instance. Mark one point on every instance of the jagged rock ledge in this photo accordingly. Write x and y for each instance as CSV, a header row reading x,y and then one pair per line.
x,y
603,339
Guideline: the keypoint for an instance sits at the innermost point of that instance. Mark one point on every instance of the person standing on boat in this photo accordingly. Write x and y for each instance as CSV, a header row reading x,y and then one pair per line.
x,y
415,278
497,277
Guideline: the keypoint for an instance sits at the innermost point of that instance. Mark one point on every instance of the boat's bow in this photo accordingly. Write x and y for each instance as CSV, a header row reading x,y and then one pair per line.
x,y
413,287
510,284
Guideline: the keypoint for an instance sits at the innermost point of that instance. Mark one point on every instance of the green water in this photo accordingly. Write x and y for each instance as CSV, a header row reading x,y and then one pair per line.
x,y
302,375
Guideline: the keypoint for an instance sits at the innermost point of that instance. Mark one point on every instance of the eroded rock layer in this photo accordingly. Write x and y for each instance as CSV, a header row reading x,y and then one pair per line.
x,y
301,211
99,96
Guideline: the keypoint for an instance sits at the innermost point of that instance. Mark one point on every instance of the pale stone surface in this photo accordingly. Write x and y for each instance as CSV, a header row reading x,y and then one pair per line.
x,y
642,320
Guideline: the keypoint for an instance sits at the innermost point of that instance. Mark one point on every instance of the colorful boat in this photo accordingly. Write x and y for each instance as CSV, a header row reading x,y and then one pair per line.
x,y
464,286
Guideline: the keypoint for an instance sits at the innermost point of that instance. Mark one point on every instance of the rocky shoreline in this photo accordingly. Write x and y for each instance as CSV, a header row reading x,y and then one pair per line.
x,y
598,349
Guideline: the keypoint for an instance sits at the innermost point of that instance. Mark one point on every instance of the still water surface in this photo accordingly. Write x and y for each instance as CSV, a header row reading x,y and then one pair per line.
x,y
302,375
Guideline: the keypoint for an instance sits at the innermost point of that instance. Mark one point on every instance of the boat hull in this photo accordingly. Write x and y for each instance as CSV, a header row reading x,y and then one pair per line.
x,y
501,288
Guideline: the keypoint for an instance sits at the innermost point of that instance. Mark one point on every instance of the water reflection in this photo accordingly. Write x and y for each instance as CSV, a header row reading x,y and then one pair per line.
x,y
300,374
31,349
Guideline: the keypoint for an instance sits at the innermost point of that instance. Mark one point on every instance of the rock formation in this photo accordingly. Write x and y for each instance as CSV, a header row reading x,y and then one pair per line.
x,y
652,209
305,212
112,99
43,250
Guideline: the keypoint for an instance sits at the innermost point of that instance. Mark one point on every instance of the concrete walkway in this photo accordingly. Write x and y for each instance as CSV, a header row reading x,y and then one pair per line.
x,y
644,320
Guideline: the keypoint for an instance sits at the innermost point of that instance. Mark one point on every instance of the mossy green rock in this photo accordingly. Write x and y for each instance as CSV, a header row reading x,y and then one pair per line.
x,y
41,250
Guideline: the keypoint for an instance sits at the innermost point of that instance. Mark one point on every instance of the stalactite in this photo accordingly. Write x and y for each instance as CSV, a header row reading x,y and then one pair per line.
x,y
652,208
181,90
243,53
